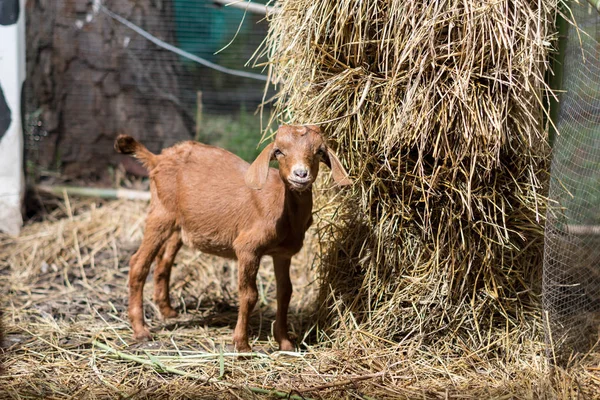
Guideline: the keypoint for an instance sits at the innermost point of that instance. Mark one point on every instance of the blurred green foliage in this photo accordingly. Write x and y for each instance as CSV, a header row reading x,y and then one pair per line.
x,y
240,133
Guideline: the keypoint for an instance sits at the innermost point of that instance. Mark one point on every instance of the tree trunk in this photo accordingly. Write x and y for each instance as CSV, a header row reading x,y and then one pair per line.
x,y
90,78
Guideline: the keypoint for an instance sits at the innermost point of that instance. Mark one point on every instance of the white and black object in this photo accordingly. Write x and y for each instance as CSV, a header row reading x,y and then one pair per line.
x,y
12,76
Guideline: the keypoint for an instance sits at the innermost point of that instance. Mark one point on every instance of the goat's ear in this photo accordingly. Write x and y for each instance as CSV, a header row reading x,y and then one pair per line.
x,y
256,176
340,176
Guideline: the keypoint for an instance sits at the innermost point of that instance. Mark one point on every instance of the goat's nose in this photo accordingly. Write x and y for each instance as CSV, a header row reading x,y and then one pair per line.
x,y
301,172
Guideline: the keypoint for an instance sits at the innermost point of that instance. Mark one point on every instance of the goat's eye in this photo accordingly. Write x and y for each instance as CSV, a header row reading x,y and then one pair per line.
x,y
277,153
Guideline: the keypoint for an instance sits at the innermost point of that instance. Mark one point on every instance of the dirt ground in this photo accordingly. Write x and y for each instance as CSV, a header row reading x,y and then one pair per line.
x,y
64,299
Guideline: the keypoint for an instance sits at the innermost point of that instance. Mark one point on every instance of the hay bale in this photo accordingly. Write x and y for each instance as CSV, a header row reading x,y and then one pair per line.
x,y
436,110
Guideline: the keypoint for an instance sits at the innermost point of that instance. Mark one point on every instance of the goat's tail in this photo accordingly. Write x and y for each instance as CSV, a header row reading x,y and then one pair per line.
x,y
125,144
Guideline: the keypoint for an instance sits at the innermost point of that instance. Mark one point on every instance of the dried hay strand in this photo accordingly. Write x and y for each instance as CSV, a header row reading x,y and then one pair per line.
x,y
68,337
436,110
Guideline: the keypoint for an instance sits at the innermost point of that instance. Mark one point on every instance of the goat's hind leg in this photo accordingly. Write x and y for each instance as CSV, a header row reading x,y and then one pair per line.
x,y
162,274
157,231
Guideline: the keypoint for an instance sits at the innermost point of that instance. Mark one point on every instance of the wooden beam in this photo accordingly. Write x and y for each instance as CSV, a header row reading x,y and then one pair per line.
x,y
95,192
583,229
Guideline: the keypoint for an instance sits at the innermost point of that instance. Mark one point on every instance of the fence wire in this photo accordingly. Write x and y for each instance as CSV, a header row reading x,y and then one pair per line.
x,y
571,283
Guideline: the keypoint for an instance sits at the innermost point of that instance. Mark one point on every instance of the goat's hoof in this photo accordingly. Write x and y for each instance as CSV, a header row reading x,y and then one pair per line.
x,y
168,313
243,348
286,345
142,335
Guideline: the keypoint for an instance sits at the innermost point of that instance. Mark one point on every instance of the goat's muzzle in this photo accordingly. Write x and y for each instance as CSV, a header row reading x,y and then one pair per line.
x,y
299,184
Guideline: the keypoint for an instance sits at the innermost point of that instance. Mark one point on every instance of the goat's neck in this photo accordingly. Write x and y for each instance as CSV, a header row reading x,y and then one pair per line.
x,y
298,206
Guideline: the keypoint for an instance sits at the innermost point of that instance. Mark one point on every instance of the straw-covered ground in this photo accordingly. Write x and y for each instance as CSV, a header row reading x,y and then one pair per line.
x,y
64,287
420,281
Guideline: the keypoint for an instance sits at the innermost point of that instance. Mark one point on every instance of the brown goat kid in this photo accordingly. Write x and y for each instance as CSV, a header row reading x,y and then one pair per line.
x,y
212,200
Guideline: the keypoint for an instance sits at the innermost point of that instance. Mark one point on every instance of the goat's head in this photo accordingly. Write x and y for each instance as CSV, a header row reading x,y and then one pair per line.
x,y
298,149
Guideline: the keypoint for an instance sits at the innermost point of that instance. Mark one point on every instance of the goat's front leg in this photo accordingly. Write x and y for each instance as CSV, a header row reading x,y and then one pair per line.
x,y
284,294
248,295
157,231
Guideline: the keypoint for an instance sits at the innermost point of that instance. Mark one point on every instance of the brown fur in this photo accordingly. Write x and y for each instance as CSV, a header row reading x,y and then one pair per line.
x,y
212,200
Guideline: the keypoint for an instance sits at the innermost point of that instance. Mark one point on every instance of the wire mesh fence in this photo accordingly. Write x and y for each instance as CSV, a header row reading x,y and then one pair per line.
x,y
154,69
571,283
